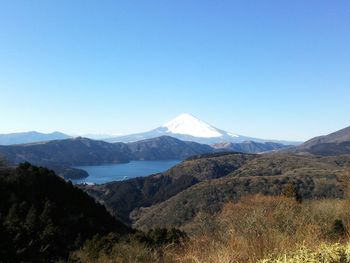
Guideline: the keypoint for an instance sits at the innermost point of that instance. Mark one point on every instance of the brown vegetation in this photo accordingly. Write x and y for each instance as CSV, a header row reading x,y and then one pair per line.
x,y
261,226
250,230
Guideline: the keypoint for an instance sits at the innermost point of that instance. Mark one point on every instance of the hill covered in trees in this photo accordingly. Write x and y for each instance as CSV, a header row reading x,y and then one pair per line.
x,y
43,218
206,182
122,197
62,155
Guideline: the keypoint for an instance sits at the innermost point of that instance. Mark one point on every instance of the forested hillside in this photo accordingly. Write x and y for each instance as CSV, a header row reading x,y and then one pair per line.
x,y
43,218
122,197
204,183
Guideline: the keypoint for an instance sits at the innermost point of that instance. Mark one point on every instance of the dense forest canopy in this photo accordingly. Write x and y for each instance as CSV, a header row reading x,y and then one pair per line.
x,y
44,218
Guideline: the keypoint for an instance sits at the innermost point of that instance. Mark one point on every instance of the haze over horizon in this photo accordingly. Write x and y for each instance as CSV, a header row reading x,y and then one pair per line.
x,y
263,69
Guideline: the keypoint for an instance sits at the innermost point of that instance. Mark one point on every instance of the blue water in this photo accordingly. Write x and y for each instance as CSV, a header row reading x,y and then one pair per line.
x,y
117,172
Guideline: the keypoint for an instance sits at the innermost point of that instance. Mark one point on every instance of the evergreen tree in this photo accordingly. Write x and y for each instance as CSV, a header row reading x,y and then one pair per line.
x,y
31,221
12,220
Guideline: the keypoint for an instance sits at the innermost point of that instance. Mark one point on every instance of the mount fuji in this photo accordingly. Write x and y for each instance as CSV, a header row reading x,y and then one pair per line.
x,y
189,128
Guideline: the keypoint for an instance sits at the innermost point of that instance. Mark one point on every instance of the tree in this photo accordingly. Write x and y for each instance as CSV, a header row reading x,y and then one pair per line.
x,y
31,221
46,214
12,220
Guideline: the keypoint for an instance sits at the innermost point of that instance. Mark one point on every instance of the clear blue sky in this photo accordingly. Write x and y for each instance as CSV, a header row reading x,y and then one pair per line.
x,y
268,69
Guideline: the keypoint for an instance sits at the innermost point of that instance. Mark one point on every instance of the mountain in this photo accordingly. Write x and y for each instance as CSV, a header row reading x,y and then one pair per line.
x,y
249,147
82,151
188,128
185,127
30,137
335,143
122,197
309,177
166,148
203,183
62,155
68,152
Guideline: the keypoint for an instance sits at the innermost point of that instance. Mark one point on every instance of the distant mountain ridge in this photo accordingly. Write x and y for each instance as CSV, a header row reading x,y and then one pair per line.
x,y
335,143
189,128
185,127
63,154
83,151
249,147
30,137
166,148
334,137
67,152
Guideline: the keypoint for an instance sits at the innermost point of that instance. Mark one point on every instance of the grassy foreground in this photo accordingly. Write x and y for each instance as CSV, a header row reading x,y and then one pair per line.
x,y
331,253
256,229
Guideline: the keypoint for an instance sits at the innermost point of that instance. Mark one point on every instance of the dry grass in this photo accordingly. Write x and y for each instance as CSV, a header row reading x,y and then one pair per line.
x,y
264,226
256,229
325,253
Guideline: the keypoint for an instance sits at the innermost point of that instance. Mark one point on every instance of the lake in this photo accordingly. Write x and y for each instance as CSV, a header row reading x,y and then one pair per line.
x,y
100,174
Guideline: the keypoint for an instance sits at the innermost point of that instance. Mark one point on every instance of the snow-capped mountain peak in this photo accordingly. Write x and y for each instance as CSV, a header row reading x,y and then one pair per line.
x,y
190,125
186,127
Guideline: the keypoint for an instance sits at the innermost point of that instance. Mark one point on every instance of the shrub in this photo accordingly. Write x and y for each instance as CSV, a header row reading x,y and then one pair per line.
x,y
258,227
326,253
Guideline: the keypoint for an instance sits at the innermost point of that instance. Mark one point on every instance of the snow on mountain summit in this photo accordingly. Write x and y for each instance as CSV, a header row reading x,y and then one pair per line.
x,y
190,125
186,127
